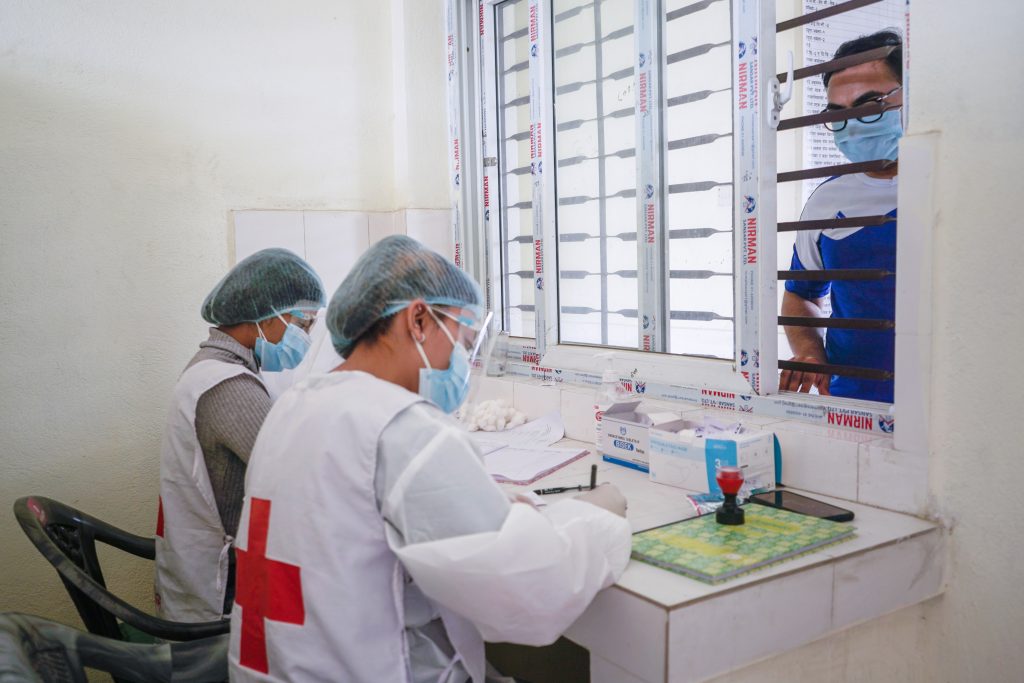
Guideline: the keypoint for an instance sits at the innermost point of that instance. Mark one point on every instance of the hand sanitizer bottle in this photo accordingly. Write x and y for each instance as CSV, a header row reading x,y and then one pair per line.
x,y
608,394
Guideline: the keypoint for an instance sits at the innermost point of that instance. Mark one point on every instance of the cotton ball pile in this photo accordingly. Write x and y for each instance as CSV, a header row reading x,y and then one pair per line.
x,y
491,416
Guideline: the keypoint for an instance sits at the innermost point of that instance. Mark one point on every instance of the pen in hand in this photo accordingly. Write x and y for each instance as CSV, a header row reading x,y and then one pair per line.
x,y
580,487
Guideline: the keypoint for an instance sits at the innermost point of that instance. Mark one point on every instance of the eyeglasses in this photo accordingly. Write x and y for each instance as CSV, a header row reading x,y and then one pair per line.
x,y
836,126
303,321
469,328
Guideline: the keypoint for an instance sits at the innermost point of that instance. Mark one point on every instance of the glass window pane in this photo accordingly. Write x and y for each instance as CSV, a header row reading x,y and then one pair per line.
x,y
595,139
515,186
698,166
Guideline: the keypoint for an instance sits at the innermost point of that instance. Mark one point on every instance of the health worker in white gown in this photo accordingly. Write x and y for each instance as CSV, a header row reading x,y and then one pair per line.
x,y
373,546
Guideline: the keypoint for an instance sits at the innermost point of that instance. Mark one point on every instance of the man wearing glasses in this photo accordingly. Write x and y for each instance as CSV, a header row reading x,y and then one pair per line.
x,y
869,137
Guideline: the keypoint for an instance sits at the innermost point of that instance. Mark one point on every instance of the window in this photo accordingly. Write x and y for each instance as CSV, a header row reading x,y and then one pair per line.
x,y
638,178
623,267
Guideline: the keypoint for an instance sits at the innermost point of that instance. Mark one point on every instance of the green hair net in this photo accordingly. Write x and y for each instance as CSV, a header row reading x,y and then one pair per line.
x,y
386,279
260,286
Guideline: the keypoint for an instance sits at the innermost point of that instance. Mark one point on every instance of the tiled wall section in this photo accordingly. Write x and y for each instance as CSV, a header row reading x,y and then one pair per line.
x,y
833,462
332,240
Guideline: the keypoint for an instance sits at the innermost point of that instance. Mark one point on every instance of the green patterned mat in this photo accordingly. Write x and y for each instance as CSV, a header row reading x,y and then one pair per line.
x,y
703,549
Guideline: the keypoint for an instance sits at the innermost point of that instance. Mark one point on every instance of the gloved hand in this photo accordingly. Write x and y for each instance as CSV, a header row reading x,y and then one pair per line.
x,y
606,496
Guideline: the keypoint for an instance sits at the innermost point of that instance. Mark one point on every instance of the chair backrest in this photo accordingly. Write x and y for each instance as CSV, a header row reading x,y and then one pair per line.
x,y
37,649
67,537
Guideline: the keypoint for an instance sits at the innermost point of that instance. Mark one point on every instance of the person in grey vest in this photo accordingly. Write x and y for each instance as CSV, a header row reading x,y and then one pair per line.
x,y
261,311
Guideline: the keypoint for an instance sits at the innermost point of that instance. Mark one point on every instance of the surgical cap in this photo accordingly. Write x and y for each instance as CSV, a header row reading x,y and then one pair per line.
x,y
386,279
260,286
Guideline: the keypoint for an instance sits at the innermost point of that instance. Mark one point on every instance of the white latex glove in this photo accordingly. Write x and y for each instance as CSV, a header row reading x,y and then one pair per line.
x,y
606,496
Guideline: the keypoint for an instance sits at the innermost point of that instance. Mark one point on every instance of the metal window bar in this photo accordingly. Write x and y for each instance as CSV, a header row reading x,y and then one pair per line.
x,y
839,64
836,323
880,165
845,274
834,223
831,369
832,116
811,17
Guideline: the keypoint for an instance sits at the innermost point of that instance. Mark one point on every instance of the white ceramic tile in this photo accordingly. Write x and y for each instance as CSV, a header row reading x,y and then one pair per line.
x,y
627,632
891,479
491,388
536,400
255,230
715,636
433,227
814,460
578,414
385,223
888,578
334,241
603,671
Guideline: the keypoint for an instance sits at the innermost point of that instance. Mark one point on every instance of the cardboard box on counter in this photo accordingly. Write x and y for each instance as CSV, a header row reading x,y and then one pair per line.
x,y
626,433
678,457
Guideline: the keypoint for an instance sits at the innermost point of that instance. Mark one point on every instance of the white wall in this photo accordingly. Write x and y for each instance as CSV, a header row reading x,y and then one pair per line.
x,y
129,131
966,80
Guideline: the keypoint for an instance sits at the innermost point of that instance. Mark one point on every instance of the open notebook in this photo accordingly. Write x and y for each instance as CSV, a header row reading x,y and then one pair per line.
x,y
524,466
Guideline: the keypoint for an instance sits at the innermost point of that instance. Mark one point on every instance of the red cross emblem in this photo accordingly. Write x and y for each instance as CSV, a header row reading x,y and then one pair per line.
x,y
265,589
160,518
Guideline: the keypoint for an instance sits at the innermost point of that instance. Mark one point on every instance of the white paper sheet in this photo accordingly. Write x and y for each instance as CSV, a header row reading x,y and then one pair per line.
x,y
525,465
537,434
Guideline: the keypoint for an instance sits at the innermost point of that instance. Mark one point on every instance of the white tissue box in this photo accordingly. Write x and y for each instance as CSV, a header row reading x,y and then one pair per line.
x,y
680,458
626,433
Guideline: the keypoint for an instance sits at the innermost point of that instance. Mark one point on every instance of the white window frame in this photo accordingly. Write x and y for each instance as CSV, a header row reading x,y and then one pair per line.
x,y
749,381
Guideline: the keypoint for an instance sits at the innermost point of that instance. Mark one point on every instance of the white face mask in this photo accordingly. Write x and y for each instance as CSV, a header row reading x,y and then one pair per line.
x,y
285,354
447,389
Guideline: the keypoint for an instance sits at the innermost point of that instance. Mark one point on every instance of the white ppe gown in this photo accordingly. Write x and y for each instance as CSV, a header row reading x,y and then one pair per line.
x,y
322,578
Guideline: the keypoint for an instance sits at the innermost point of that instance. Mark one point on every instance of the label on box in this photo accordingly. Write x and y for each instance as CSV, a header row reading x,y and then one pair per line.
x,y
690,462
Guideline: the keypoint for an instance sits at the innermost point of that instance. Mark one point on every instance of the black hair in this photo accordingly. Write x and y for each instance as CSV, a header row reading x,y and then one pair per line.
x,y
374,332
886,38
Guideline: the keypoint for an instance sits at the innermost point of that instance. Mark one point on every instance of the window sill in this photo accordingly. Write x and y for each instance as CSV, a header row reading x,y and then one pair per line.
x,y
655,626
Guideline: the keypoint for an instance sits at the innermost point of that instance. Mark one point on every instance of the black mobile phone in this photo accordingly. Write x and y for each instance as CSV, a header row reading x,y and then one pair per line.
x,y
794,502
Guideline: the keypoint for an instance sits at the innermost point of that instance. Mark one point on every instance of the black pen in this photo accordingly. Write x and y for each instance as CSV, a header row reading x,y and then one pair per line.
x,y
563,489
558,489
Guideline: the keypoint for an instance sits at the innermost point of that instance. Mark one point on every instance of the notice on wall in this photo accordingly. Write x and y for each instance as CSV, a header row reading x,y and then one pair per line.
x,y
821,40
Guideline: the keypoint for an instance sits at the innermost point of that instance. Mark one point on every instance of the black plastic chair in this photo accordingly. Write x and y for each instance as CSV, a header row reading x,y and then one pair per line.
x,y
67,539
39,650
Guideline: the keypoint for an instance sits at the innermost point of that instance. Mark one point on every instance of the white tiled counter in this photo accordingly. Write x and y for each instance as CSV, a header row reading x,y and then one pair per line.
x,y
655,626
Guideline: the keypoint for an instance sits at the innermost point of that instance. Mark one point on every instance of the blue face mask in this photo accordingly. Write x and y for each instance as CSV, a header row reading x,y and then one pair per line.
x,y
447,389
860,141
285,354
